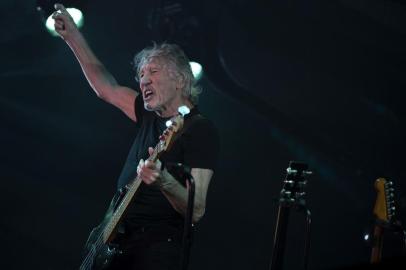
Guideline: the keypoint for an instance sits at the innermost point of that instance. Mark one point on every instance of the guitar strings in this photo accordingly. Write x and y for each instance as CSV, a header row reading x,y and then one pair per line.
x,y
88,261
99,241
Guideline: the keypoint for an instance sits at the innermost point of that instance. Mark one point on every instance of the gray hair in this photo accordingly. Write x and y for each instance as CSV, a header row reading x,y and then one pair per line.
x,y
173,55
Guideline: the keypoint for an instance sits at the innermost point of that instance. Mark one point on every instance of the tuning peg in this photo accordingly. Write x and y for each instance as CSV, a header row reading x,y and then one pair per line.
x,y
183,110
302,183
285,193
168,123
307,172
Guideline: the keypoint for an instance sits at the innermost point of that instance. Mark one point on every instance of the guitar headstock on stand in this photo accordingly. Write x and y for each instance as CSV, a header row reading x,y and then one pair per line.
x,y
291,197
292,193
385,218
384,209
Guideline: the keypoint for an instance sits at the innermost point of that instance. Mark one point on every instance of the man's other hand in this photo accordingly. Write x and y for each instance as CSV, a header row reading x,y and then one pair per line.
x,y
64,24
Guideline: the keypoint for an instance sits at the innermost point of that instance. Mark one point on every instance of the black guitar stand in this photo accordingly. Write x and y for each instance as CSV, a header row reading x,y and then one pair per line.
x,y
185,175
188,227
397,228
291,196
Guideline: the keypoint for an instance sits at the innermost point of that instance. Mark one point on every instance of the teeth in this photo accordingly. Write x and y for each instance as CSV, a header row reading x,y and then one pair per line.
x,y
147,93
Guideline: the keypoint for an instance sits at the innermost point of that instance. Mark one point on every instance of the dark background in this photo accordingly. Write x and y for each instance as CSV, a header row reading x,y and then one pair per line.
x,y
317,81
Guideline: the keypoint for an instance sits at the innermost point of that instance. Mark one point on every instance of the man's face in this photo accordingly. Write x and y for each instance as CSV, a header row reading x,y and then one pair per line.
x,y
158,85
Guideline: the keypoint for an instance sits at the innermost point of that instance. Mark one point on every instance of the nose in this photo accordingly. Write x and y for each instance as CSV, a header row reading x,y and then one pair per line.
x,y
145,81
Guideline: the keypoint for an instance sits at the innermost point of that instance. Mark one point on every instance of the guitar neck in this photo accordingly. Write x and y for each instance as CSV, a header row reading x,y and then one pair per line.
x,y
118,214
377,244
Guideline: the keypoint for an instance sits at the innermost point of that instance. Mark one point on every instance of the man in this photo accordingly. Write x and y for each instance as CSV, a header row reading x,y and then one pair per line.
x,y
154,222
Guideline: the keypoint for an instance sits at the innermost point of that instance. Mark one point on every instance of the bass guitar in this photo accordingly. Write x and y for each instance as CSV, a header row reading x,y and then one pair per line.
x,y
99,249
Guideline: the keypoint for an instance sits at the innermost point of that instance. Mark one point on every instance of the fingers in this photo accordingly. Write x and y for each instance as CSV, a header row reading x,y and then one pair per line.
x,y
140,165
59,10
150,164
150,150
59,25
60,7
147,171
61,13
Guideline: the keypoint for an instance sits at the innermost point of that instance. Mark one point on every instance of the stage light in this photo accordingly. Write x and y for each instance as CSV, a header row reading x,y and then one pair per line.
x,y
77,17
197,70
366,237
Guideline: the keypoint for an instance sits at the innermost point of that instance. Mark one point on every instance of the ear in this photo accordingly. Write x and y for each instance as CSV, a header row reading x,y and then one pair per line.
x,y
180,84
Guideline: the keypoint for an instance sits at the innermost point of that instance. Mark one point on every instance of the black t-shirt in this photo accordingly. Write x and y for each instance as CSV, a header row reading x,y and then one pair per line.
x,y
197,147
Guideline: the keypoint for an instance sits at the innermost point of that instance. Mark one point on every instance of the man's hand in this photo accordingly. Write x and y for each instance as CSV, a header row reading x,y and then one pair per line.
x,y
64,24
150,172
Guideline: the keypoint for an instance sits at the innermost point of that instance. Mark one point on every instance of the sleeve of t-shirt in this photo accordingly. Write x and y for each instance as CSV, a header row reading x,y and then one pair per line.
x,y
201,145
139,109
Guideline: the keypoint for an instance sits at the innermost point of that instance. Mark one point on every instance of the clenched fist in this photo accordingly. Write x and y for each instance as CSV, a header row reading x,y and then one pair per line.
x,y
64,24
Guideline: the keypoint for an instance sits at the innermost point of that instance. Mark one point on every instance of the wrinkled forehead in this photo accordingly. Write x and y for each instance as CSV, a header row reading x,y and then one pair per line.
x,y
152,62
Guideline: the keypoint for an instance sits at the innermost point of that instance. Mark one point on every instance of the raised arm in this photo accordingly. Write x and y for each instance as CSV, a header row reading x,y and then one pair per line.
x,y
101,81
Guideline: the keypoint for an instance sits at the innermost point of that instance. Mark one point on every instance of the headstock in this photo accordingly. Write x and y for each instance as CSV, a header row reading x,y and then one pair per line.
x,y
170,134
384,209
294,184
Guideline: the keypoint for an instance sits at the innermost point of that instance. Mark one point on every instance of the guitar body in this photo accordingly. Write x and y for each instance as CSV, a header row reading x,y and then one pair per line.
x,y
97,254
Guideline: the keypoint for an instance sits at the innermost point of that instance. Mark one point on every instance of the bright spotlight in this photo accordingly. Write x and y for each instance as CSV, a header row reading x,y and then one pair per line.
x,y
77,17
197,70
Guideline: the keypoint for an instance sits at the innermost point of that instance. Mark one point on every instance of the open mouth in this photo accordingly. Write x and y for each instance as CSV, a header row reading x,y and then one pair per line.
x,y
148,94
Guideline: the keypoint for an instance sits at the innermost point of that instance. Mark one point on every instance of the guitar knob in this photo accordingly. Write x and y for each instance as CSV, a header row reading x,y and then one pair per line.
x,y
307,172
302,184
290,170
168,123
